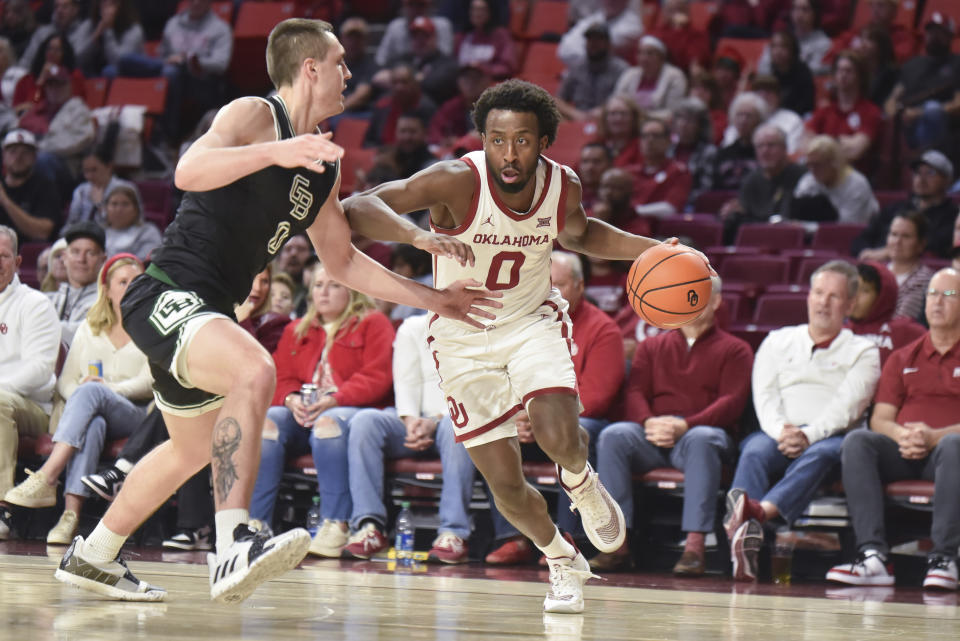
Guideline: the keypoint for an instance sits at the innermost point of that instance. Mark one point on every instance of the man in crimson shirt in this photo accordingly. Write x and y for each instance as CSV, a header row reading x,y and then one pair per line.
x,y
686,391
914,433
661,185
686,45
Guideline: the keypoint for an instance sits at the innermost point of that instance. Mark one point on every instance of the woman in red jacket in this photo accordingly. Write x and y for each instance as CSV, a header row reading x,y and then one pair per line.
x,y
351,371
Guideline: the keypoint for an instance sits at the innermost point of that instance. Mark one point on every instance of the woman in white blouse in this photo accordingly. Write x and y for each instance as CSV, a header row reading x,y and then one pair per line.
x,y
100,405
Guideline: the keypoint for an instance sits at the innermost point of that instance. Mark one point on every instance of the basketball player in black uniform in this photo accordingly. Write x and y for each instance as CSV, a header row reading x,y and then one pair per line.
x,y
259,176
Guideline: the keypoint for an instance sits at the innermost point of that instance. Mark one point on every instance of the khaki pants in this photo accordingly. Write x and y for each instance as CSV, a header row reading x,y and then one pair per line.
x,y
18,415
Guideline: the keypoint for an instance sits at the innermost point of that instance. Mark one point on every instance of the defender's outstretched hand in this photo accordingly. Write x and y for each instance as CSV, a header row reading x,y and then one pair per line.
x,y
309,151
445,246
461,299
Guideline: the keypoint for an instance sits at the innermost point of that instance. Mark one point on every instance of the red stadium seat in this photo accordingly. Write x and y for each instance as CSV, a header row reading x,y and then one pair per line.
x,y
770,236
354,160
548,19
780,309
571,137
150,92
750,49
752,274
906,13
710,202
911,492
836,236
541,58
248,65
350,132
797,256
95,90
810,265
702,230
753,334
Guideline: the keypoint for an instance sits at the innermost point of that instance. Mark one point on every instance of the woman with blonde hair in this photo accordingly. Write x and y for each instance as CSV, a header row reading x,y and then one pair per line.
x,y
56,267
832,189
106,383
344,347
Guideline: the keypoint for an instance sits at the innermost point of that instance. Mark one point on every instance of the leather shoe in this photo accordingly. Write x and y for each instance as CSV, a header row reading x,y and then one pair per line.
x,y
690,564
516,550
613,561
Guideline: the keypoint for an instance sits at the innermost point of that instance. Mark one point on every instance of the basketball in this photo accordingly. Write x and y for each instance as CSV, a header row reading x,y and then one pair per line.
x,y
669,285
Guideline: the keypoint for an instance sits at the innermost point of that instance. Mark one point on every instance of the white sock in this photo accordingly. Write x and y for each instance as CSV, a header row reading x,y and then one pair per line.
x,y
102,546
573,479
227,521
123,465
559,547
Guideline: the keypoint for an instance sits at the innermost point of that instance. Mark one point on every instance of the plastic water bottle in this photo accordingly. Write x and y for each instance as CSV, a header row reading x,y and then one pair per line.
x,y
313,517
404,540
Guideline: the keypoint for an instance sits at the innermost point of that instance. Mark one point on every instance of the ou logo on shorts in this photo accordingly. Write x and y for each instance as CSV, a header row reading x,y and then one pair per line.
x,y
458,413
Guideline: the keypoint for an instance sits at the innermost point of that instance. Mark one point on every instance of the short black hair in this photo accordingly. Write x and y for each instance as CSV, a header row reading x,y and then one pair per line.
x,y
870,275
522,97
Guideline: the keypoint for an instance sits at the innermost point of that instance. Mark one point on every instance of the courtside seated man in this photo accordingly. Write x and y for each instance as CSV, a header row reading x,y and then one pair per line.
x,y
259,176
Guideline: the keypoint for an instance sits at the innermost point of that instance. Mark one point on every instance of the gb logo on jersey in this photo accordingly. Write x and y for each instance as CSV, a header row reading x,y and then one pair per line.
x,y
172,309
301,197
279,237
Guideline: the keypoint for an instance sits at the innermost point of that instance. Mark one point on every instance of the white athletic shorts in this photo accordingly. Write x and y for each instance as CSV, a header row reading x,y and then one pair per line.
x,y
488,376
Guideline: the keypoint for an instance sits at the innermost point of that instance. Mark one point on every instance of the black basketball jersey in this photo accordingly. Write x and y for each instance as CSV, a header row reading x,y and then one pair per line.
x,y
221,239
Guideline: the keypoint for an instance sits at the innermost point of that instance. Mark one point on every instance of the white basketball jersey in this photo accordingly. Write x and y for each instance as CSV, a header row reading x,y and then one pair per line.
x,y
512,250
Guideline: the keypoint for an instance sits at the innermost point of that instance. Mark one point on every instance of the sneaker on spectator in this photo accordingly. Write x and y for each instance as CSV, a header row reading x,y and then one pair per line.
x,y
65,529
112,579
190,540
869,568
941,573
735,515
745,550
330,539
602,518
33,492
516,550
366,542
253,558
449,548
6,523
567,577
106,485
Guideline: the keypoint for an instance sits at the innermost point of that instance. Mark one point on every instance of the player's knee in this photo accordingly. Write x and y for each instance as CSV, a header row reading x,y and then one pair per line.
x,y
510,494
259,376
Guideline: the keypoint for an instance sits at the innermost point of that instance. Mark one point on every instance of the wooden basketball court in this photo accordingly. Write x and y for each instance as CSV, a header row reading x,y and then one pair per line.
x,y
356,601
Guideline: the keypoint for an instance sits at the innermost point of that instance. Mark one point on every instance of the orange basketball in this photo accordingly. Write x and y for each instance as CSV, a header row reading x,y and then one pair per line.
x,y
669,285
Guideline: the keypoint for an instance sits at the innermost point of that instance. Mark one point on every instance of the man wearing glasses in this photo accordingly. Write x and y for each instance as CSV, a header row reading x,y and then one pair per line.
x,y
914,433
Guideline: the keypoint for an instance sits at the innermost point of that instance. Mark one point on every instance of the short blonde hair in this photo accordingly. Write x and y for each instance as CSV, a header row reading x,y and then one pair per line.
x,y
357,307
829,148
293,41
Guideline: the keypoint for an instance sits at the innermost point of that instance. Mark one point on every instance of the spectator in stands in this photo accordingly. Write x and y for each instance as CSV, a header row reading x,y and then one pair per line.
x,y
88,197
850,117
55,260
797,92
66,21
703,86
932,175
811,383
453,119
410,153
292,261
873,312
685,416
281,294
813,42
595,159
18,25
54,55
28,355
597,346
405,96
8,77
606,281
619,130
126,229
396,42
616,203
736,160
361,90
654,84
29,200
687,47
876,50
883,14
412,263
693,144
832,189
255,315
625,23
927,98
86,243
748,18
727,71
768,88
589,82
906,242
112,30
913,434
487,44
661,184
417,427
193,57
343,346
436,71
766,191
97,406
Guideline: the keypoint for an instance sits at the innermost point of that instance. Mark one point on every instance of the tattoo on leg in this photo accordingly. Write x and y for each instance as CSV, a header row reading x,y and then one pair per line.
x,y
226,441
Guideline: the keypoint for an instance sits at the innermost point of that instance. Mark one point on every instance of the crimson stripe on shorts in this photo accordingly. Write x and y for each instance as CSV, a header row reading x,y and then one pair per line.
x,y
549,390
460,438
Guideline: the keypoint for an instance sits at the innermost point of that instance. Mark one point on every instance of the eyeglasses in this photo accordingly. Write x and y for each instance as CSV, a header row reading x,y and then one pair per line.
x,y
946,293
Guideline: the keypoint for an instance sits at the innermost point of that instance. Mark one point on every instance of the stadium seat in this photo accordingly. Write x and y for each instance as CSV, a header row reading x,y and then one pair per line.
x,y
809,265
736,309
702,14
29,252
354,160
718,253
571,137
770,236
541,59
913,493
750,49
797,256
906,13
547,20
350,132
836,236
223,9
702,230
752,274
255,20
752,334
710,202
95,91
150,92
157,199
780,309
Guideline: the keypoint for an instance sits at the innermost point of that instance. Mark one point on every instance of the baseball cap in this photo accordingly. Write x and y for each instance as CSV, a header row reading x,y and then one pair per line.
x,y
936,160
20,137
943,21
86,229
423,23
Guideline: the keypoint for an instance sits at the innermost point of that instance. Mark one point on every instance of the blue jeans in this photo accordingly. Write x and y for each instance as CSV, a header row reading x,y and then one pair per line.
x,y
379,434
761,463
329,459
699,454
566,520
92,413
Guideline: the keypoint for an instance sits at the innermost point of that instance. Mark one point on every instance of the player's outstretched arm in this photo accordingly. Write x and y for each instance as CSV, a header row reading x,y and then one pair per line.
x,y
242,140
375,212
330,234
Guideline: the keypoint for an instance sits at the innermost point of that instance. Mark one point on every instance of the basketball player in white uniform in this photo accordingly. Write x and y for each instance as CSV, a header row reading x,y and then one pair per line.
x,y
509,203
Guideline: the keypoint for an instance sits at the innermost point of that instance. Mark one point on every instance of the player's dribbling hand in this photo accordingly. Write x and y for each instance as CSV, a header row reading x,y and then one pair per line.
x,y
673,240
309,151
445,246
460,302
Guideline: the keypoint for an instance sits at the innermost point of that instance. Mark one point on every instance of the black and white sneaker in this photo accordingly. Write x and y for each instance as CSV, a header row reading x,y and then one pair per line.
x,y
253,558
191,540
106,485
112,579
